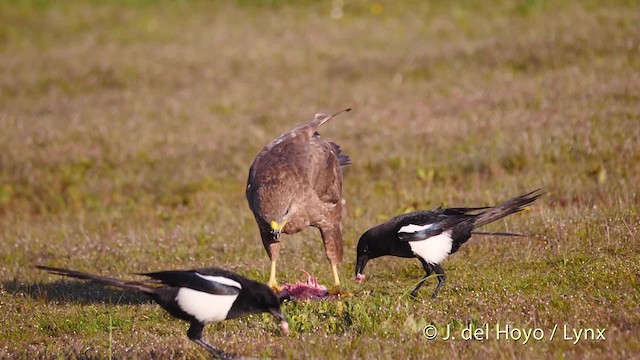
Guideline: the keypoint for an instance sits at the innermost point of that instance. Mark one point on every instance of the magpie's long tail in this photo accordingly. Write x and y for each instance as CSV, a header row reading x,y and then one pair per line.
x,y
507,208
497,234
130,285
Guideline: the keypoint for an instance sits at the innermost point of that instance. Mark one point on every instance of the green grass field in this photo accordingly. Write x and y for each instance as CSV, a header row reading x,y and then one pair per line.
x,y
127,129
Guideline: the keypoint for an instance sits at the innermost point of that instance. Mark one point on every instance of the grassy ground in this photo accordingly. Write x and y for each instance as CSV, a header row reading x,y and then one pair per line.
x,y
128,128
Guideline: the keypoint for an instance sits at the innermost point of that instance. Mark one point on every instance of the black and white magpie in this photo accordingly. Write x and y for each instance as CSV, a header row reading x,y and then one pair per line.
x,y
432,235
198,296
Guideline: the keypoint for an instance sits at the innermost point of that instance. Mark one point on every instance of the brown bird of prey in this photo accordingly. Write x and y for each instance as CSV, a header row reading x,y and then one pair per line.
x,y
296,182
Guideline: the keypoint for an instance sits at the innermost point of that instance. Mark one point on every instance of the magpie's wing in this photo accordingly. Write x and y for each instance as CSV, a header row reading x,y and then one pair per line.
x,y
422,225
417,232
212,283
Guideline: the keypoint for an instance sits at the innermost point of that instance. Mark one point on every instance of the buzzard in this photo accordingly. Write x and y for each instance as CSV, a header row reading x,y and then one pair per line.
x,y
432,235
296,182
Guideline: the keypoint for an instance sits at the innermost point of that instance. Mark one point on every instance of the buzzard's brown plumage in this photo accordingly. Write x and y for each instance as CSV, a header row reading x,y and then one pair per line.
x,y
296,182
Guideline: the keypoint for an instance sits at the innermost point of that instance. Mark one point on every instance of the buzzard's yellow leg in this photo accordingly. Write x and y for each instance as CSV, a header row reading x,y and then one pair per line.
x,y
273,283
337,289
336,279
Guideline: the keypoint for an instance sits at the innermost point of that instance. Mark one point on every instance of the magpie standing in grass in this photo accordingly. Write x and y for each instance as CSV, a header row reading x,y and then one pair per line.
x,y
432,235
198,296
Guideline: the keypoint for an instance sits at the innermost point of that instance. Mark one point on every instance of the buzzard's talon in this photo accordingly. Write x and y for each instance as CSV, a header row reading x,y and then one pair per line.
x,y
338,291
275,286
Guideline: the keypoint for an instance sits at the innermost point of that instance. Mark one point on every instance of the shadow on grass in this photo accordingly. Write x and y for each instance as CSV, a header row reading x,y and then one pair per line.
x,y
76,292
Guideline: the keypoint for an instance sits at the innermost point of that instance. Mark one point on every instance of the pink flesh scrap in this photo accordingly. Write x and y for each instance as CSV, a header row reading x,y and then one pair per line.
x,y
305,290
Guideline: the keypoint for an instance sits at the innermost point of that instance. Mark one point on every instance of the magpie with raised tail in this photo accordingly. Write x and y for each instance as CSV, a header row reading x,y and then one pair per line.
x,y
432,235
198,296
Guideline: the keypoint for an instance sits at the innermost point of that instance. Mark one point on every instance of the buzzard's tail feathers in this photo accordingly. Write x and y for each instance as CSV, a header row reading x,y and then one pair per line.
x,y
344,159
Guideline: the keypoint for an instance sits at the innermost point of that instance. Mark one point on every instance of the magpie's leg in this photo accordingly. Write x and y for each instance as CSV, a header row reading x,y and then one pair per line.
x,y
427,270
195,334
216,353
441,279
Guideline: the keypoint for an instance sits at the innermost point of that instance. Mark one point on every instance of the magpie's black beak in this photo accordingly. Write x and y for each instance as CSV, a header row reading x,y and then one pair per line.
x,y
284,325
361,262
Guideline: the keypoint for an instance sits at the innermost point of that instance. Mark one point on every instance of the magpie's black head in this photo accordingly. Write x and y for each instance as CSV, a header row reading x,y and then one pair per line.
x,y
367,249
267,300
259,297
379,241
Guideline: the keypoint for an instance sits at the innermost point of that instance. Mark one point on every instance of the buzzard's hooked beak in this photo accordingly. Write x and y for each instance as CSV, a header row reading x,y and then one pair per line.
x,y
276,227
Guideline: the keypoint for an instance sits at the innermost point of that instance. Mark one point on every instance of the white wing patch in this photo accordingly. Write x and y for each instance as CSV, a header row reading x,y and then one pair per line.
x,y
204,306
433,249
221,280
411,228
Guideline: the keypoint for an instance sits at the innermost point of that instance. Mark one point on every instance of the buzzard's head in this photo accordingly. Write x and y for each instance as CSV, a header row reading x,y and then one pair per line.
x,y
277,226
277,222
272,208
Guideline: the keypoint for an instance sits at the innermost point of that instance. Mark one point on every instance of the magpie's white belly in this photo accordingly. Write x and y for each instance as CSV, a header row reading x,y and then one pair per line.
x,y
204,306
434,249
